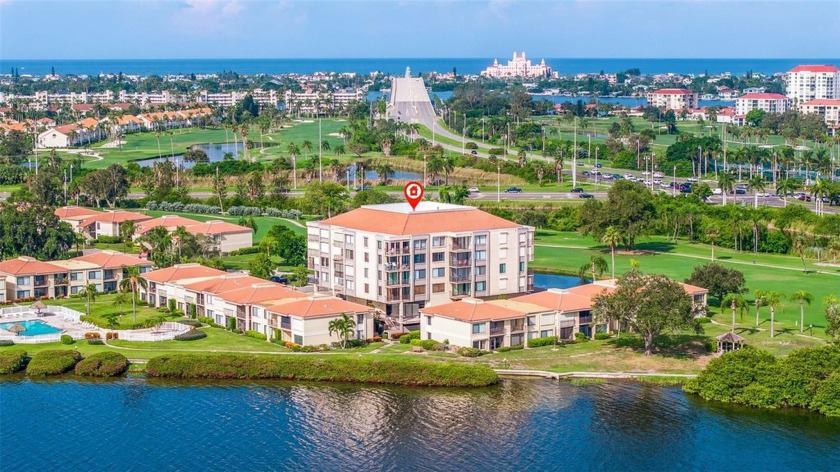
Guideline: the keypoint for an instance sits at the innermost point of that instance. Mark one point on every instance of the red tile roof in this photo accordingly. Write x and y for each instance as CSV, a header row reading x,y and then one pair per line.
x,y
473,309
170,222
118,216
181,272
82,106
217,227
815,68
259,292
74,212
763,96
113,260
29,266
822,102
672,91
453,218
315,306
223,283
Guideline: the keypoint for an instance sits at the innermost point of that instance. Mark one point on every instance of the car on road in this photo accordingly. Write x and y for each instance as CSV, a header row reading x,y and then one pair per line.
x,y
629,176
513,190
717,191
644,172
586,173
474,152
280,279
586,195
616,176
577,190
657,182
658,175
762,194
803,197
598,166
474,190
692,179
363,187
740,191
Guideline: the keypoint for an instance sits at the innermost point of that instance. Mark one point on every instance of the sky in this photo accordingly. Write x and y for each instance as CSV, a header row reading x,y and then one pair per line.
x,y
197,29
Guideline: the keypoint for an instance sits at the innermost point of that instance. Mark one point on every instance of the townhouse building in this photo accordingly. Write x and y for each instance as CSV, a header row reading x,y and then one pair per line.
x,y
106,223
226,236
768,102
400,260
673,99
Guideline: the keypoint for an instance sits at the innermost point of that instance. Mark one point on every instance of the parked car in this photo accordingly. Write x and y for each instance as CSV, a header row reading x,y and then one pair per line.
x,y
474,152
629,176
473,190
280,279
616,176
586,173
717,191
803,197
658,175
598,166
513,190
363,187
692,179
586,195
577,190
740,191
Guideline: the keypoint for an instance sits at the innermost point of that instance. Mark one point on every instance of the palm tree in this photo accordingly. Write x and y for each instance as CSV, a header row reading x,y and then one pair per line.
x,y
757,184
712,234
127,230
759,301
612,238
157,136
90,294
384,170
596,265
773,300
307,146
726,182
130,281
735,301
343,327
785,187
802,297
821,189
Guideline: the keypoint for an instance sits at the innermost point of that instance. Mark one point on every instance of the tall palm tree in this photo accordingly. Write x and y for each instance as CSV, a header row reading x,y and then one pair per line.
x,y
712,234
802,297
726,182
384,170
785,187
596,265
735,301
343,327
759,302
757,184
773,300
90,294
612,237
132,279
820,190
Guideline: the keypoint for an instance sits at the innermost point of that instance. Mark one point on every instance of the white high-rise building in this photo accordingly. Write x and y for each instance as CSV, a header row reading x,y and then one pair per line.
x,y
769,102
519,66
812,82
673,99
401,260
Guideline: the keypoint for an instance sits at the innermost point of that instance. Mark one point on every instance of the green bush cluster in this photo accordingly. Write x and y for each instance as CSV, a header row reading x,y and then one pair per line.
x,y
405,339
53,362
518,347
602,336
95,342
256,335
189,322
103,364
11,361
544,341
66,339
703,319
427,344
806,378
191,335
209,321
581,337
245,251
414,334
400,371
470,352
109,239
6,342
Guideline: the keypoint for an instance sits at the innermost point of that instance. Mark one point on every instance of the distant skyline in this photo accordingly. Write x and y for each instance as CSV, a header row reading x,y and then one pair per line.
x,y
187,29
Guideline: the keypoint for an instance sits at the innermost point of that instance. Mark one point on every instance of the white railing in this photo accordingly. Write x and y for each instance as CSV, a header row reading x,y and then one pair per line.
x,y
165,332
38,339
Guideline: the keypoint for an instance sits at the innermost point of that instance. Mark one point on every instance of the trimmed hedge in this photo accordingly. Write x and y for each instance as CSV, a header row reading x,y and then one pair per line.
x,y
53,362
539,342
6,342
11,361
191,335
427,344
95,342
256,335
193,323
103,364
406,371
66,339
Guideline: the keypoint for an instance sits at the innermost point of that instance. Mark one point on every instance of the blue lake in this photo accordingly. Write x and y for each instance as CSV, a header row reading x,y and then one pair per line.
x,y
215,152
138,424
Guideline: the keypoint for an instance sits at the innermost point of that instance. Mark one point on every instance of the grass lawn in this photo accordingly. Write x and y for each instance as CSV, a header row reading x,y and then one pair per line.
x,y
104,305
145,145
567,252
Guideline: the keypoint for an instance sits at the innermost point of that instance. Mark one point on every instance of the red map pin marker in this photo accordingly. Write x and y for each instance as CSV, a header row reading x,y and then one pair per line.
x,y
413,192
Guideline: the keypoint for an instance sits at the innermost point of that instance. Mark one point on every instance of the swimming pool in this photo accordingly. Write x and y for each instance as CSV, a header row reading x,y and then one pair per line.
x,y
33,328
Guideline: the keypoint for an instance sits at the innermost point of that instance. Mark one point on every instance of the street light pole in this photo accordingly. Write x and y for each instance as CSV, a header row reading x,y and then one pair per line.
x,y
498,183
674,186
574,156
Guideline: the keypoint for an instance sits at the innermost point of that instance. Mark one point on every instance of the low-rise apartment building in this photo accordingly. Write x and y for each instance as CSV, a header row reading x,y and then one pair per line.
x,y
226,236
401,259
107,223
73,215
498,323
319,101
768,102
673,99
829,109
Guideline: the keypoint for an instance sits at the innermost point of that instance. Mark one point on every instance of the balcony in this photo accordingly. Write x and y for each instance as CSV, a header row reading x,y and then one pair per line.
x,y
585,319
517,328
338,257
394,267
497,331
457,262
61,281
460,247
286,325
459,278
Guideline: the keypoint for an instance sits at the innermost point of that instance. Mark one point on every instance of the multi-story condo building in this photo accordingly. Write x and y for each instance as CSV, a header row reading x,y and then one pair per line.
x,y
319,101
829,109
519,66
227,99
26,277
401,260
47,98
498,323
804,83
149,98
769,102
673,99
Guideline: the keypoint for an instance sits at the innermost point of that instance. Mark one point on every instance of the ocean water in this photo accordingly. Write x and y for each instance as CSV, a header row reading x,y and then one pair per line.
x,y
395,65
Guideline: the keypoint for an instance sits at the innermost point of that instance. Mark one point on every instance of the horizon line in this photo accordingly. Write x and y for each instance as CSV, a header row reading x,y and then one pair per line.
x,y
396,58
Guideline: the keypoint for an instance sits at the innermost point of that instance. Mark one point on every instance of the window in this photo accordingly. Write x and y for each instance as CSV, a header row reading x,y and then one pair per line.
x,y
350,285
439,241
481,239
420,274
481,270
439,272
480,286
378,244
378,275
93,274
367,257
419,258
428,320
367,288
419,290
503,238
547,318
23,281
546,333
522,266
367,272
479,328
438,288
75,290
75,276
480,344
420,244
23,294
325,262
438,256
298,339
502,268
365,241
480,255
349,239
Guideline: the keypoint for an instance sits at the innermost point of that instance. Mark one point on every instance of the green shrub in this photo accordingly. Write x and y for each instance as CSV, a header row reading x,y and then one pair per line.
x,y
602,336
193,323
191,335
209,321
726,377
581,337
11,361
710,344
256,335
827,398
414,334
6,342
66,339
338,368
405,339
103,364
53,362
415,342
469,352
171,304
429,344
518,347
191,310
231,324
245,251
545,341
504,349
109,239
799,374
703,319
95,342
